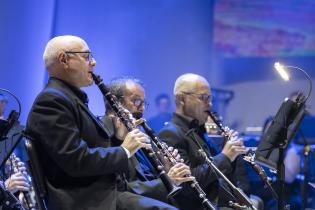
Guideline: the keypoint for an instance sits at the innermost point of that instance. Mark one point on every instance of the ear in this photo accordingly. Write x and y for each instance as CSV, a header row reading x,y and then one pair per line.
x,y
180,99
63,59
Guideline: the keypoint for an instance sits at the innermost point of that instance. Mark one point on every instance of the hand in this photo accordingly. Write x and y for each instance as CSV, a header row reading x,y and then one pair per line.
x,y
165,160
233,148
17,182
136,140
233,135
180,173
175,154
119,128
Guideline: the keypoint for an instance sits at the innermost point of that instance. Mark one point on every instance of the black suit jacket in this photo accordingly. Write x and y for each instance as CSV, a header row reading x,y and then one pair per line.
x,y
78,161
141,177
180,134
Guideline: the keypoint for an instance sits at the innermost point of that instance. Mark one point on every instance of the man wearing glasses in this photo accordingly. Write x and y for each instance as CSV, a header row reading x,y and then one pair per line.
x,y
186,132
79,163
141,183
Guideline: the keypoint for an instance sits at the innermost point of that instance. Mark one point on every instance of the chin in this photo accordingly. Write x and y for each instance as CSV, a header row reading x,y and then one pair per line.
x,y
88,83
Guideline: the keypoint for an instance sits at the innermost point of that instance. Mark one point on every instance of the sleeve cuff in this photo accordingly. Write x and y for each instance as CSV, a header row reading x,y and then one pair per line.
x,y
127,152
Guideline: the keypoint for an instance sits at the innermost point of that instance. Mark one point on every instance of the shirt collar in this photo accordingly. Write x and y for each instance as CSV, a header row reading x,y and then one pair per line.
x,y
78,92
186,122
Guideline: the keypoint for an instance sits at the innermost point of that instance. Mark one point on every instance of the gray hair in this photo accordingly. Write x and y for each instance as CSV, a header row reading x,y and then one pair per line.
x,y
118,87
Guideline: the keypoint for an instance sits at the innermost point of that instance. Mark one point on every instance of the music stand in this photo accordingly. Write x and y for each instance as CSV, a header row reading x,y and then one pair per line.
x,y
270,150
9,142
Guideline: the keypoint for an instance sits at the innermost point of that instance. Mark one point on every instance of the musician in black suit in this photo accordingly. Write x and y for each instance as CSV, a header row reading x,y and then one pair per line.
x,y
186,133
79,163
141,178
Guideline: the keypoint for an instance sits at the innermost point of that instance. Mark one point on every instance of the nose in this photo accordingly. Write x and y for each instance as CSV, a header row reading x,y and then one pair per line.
x,y
141,108
209,105
93,62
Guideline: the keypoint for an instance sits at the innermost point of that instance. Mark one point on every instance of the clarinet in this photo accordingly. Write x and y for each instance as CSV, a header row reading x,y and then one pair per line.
x,y
227,137
29,200
127,120
249,157
161,146
224,132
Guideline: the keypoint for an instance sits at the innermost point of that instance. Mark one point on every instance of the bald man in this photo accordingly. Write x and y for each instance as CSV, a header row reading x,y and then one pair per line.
x,y
79,164
186,132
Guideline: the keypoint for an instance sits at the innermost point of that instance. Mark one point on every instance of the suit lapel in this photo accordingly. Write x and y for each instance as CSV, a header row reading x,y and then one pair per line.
x,y
56,85
97,121
192,136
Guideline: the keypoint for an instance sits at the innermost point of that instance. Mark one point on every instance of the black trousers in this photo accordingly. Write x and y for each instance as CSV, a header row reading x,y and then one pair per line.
x,y
131,201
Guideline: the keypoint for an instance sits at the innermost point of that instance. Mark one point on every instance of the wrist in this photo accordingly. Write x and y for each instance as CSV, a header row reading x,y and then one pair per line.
x,y
127,152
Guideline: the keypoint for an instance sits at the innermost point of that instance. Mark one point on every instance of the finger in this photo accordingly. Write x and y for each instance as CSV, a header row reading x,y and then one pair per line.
x,y
139,121
139,134
144,145
143,139
21,164
241,151
175,152
182,173
234,133
18,175
179,169
22,188
19,178
19,183
236,143
178,158
135,131
22,169
184,179
170,149
237,139
237,147
177,165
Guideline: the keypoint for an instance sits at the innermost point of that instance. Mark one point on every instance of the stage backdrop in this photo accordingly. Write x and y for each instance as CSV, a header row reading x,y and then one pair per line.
x,y
233,44
154,40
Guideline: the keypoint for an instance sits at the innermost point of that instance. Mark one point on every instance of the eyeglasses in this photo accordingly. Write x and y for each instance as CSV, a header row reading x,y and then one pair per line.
x,y
203,97
87,55
139,102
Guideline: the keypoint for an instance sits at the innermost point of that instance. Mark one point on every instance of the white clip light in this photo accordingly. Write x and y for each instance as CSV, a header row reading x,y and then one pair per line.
x,y
282,71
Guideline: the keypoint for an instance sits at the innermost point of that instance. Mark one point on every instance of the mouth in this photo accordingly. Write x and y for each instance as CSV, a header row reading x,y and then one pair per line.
x,y
137,115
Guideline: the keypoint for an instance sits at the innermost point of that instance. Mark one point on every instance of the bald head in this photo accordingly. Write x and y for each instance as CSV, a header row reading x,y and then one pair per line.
x,y
192,97
188,83
57,45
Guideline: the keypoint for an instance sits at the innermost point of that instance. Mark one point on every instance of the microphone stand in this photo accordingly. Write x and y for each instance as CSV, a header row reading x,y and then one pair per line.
x,y
262,174
244,200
